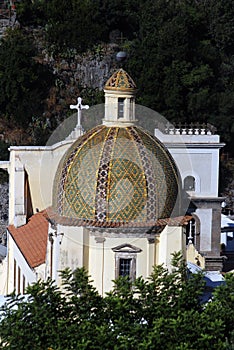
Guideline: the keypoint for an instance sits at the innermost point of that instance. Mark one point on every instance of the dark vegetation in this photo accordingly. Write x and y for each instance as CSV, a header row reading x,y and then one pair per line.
x,y
181,54
24,81
164,312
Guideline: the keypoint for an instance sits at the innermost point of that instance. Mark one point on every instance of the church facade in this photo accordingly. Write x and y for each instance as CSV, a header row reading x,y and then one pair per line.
x,y
116,199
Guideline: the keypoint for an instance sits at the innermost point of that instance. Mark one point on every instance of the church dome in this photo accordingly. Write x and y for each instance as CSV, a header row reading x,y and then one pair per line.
x,y
113,176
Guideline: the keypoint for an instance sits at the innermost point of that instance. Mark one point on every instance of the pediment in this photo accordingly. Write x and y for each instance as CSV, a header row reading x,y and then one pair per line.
x,y
126,248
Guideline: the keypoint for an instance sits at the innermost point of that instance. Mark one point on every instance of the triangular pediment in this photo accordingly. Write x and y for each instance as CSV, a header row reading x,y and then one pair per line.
x,y
126,248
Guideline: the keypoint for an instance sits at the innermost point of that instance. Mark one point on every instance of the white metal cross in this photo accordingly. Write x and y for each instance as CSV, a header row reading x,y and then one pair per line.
x,y
79,107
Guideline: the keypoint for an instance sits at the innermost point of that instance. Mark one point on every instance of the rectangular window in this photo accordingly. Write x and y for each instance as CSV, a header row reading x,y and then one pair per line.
x,y
120,107
125,267
125,261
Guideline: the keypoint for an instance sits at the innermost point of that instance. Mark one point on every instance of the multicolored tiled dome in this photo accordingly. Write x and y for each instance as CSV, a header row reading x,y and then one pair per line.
x,y
115,175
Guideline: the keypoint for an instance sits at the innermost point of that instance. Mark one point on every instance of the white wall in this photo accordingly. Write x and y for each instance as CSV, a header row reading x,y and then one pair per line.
x,y
41,164
29,274
172,239
197,156
203,165
102,259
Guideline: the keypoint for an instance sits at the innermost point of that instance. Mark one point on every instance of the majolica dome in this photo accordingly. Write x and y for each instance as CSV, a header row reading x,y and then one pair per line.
x,y
115,175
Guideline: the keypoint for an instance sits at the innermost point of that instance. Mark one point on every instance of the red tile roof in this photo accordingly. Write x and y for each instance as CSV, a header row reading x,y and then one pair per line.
x,y
176,221
32,239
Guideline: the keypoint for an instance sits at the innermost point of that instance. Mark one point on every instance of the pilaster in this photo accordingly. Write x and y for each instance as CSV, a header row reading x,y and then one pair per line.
x,y
209,213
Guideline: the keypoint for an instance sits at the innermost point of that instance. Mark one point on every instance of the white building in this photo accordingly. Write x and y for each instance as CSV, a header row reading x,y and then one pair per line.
x,y
115,200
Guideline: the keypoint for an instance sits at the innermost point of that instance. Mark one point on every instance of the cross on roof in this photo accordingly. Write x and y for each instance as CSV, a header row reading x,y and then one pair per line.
x,y
79,107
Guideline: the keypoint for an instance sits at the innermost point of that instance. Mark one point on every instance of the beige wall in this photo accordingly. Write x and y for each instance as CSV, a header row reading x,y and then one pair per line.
x,y
40,163
73,243
80,247
172,239
102,259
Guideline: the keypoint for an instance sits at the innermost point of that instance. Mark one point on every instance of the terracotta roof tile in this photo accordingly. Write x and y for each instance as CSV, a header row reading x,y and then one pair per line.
x,y
32,239
66,221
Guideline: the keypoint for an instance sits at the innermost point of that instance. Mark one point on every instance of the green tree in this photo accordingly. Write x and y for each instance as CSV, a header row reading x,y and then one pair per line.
x,y
24,82
176,59
31,12
74,24
182,58
77,24
37,321
163,312
220,16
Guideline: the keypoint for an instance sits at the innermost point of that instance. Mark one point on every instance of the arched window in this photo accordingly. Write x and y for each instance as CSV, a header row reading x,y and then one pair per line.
x,y
189,183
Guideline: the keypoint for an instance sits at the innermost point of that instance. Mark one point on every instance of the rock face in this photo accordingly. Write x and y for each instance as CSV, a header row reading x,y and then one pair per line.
x,y
7,20
89,70
3,211
76,74
94,71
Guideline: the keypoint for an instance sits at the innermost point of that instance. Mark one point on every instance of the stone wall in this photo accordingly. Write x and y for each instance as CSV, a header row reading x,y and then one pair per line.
x,y
4,200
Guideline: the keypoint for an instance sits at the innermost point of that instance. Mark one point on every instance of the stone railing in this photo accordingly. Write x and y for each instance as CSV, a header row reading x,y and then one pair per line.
x,y
187,129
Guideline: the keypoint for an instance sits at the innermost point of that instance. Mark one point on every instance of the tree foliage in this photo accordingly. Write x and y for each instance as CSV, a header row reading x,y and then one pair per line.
x,y
163,312
180,52
24,82
78,24
182,58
